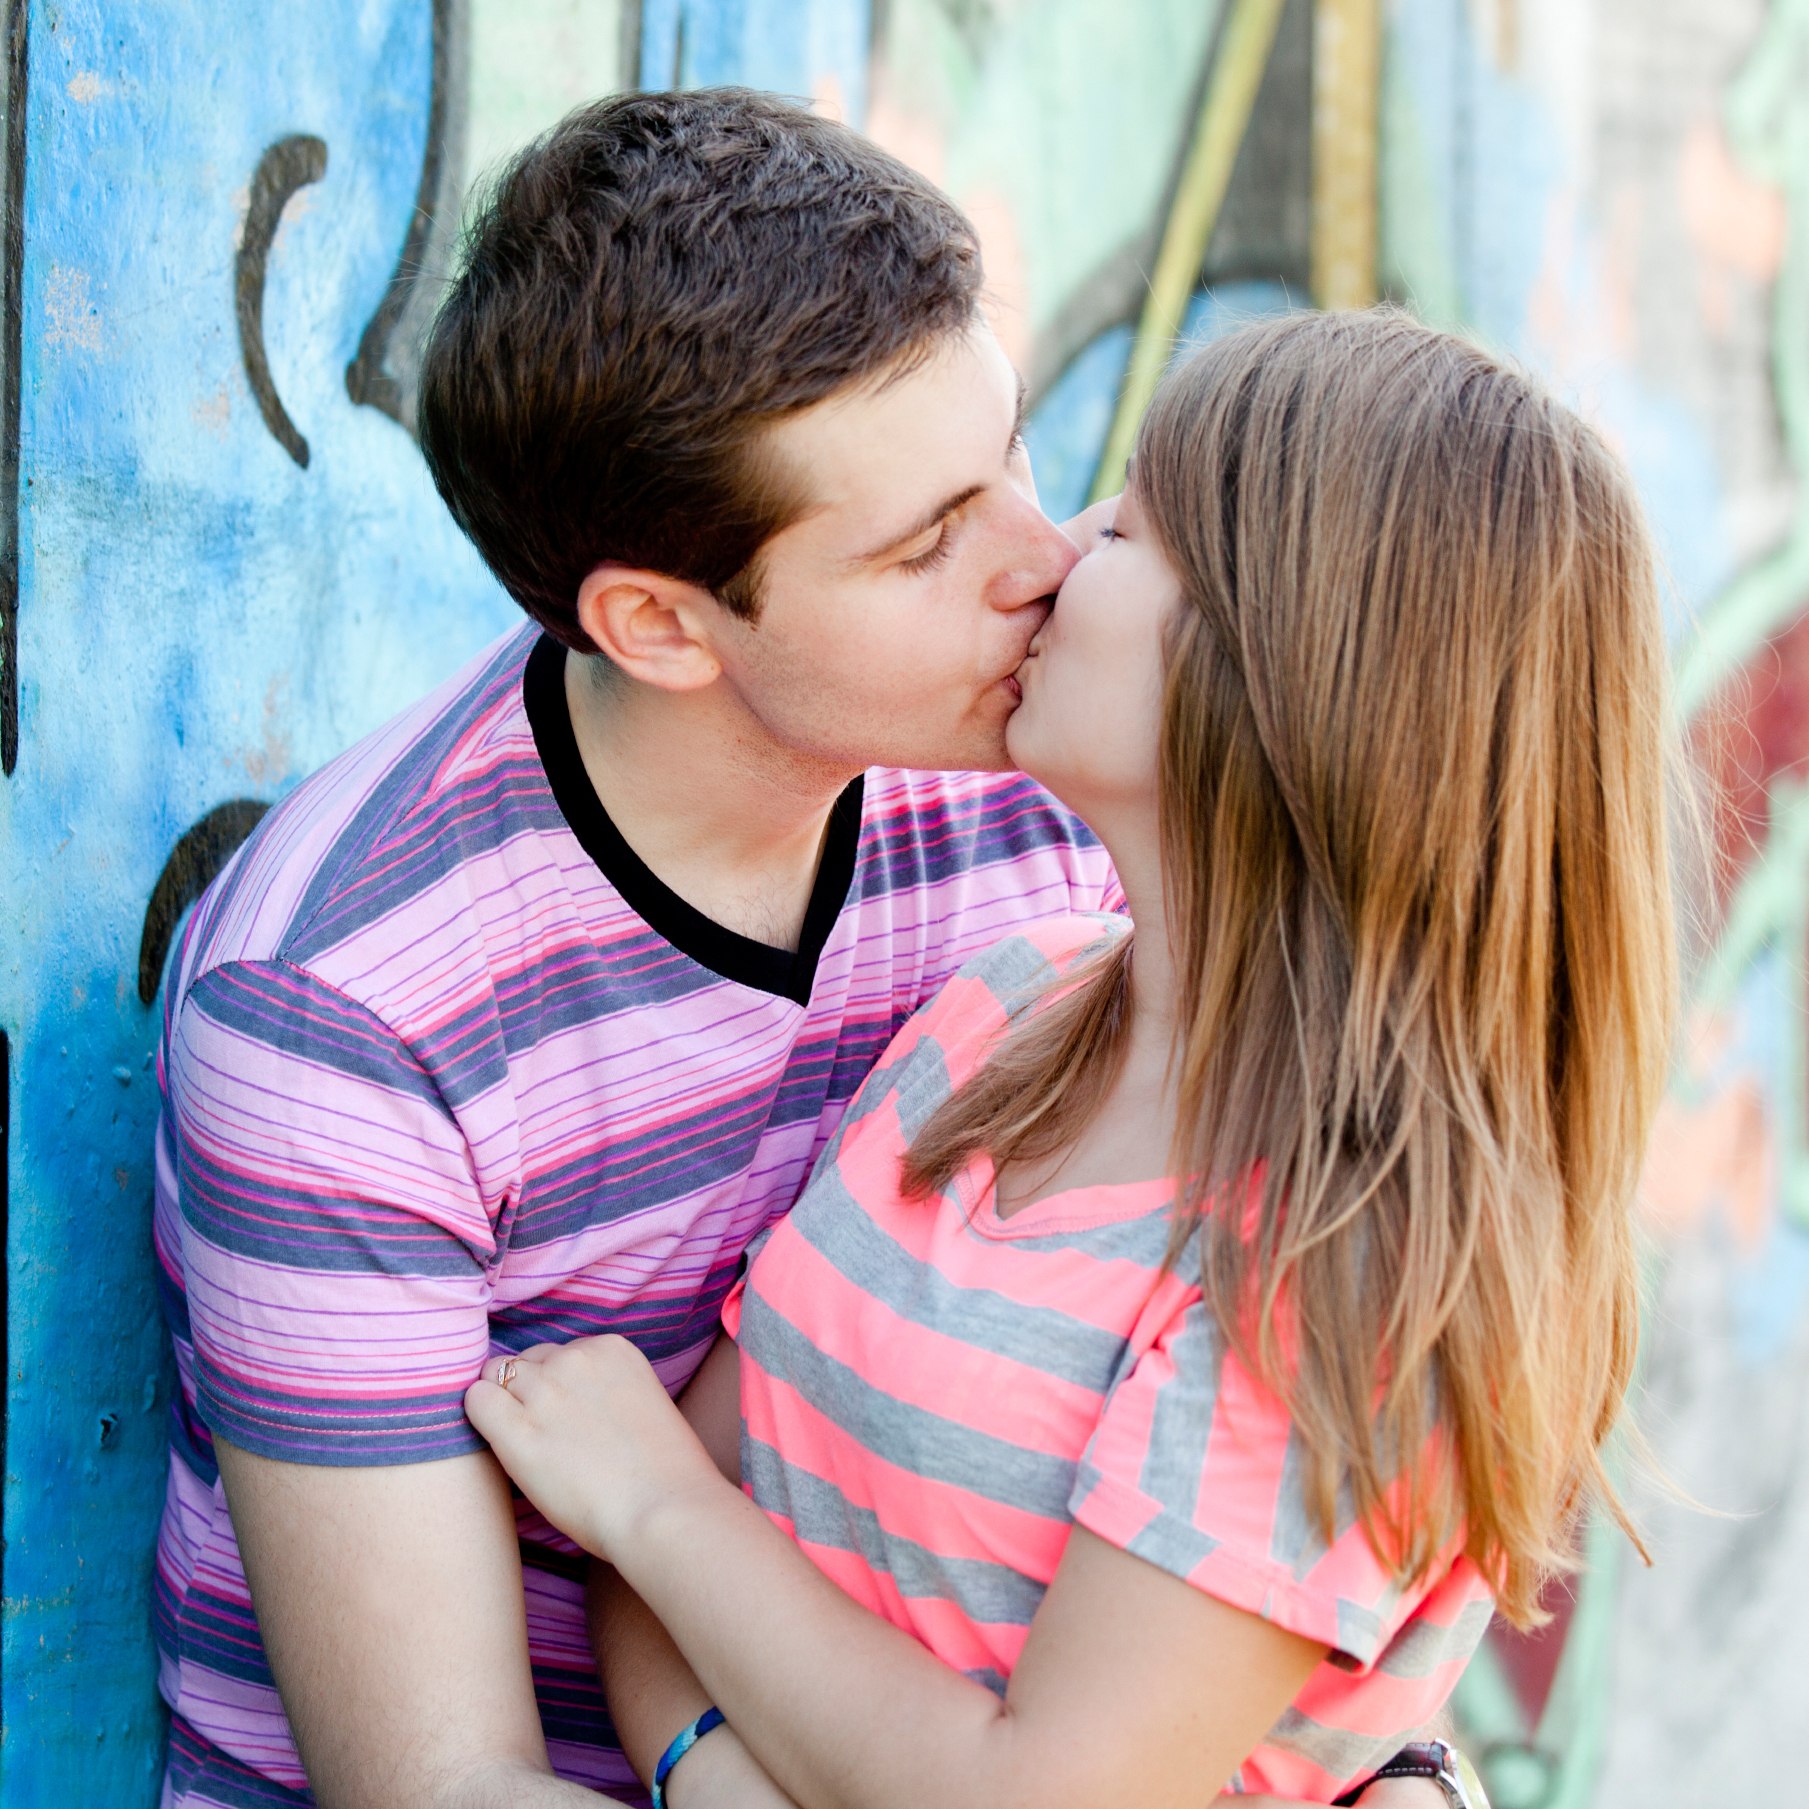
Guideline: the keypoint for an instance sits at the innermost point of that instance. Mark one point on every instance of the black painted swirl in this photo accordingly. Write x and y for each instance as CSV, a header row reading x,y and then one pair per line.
x,y
369,380
289,164
15,23
200,852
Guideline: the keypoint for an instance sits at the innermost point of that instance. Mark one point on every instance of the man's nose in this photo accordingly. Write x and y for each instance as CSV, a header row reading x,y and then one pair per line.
x,y
1042,556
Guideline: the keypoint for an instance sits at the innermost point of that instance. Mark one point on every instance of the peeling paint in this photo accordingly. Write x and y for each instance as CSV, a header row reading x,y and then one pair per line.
x,y
71,320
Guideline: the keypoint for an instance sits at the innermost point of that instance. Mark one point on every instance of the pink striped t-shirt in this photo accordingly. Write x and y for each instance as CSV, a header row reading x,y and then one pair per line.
x,y
932,1396
447,1070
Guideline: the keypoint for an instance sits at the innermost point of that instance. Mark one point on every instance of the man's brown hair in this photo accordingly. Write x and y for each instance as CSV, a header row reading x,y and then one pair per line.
x,y
643,291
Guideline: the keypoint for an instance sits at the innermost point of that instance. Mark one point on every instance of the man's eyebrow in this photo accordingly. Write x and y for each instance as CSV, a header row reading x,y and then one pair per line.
x,y
949,505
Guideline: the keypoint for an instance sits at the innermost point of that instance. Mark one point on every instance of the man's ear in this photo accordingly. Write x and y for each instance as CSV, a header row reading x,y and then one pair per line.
x,y
654,628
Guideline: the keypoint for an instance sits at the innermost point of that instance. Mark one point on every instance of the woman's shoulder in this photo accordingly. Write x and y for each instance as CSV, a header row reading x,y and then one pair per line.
x,y
953,1032
1021,967
992,989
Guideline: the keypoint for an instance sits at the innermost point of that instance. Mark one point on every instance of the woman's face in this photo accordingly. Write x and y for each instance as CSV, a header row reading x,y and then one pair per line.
x,y
1089,726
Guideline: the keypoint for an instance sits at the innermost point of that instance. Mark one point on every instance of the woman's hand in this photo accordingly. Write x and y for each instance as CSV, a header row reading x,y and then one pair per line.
x,y
590,1436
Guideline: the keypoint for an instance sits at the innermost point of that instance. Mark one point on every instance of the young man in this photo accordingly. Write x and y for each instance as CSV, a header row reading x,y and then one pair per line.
x,y
523,1017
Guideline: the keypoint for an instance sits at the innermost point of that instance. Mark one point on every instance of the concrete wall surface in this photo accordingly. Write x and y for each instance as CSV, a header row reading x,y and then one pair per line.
x,y
221,561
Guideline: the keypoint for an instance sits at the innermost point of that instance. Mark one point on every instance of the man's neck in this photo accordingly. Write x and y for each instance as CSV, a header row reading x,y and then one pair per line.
x,y
732,823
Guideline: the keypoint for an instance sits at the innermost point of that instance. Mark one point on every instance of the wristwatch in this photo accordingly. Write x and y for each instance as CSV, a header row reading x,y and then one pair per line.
x,y
1433,1759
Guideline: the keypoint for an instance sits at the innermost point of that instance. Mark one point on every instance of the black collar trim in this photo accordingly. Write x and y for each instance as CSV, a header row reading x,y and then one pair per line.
x,y
726,952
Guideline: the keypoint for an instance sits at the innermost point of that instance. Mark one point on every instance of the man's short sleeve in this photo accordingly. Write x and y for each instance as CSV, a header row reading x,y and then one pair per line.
x,y
1195,1467
1111,893
336,1252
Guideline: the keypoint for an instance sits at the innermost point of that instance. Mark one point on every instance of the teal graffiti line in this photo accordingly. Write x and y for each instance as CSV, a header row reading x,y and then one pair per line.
x,y
1771,909
1765,899
1553,1765
1768,127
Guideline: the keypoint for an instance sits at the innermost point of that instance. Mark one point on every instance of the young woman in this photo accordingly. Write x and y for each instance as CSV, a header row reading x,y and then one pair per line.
x,y
1191,1334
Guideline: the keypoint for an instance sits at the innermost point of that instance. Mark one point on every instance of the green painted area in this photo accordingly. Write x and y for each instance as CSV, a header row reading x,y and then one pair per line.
x,y
1237,71
1771,910
1767,122
1060,121
1419,261
529,62
1554,1764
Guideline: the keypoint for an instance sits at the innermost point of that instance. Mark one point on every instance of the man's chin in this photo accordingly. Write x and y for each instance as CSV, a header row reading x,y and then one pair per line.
x,y
986,754
989,755
977,745
991,751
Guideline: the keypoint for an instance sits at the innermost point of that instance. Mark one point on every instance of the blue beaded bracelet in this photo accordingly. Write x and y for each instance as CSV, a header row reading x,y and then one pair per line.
x,y
686,1738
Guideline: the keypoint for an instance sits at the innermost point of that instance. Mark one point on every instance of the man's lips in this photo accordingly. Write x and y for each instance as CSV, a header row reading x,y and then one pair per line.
x,y
1013,680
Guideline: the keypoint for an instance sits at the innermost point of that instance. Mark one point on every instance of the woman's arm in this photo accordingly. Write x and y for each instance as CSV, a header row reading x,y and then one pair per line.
x,y
640,1661
848,1712
652,1692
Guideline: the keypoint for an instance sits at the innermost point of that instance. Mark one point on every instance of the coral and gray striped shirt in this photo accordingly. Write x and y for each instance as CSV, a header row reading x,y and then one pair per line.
x,y
447,1070
932,1396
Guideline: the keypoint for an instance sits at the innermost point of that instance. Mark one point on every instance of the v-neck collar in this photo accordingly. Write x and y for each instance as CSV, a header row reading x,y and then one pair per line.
x,y
735,957
1085,1208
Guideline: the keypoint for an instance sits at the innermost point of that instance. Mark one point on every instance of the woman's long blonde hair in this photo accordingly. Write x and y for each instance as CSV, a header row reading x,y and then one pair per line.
x,y
1415,858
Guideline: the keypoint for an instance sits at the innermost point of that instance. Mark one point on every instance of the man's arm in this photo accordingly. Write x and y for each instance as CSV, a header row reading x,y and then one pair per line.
x,y
652,1692
335,1248
390,1602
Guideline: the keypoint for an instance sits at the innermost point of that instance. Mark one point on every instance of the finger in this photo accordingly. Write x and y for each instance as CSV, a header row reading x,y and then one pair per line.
x,y
490,1409
503,1387
1231,1799
511,1369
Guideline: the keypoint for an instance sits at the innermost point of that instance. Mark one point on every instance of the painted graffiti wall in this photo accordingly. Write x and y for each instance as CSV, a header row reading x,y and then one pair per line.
x,y
1609,190
221,561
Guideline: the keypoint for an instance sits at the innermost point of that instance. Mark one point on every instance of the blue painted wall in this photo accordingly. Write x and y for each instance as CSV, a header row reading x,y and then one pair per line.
x,y
202,619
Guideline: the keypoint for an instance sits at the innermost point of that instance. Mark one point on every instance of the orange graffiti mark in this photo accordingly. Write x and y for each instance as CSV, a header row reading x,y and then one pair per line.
x,y
1738,225
1713,1154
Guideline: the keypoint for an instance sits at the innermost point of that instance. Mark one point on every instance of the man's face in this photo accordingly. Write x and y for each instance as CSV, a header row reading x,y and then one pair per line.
x,y
895,612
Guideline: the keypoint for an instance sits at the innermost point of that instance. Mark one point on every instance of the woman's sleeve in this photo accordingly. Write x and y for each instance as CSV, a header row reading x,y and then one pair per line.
x,y
1195,1467
731,1307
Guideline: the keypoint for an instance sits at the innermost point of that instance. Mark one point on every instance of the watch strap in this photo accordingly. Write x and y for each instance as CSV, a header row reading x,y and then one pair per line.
x,y
1431,1759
